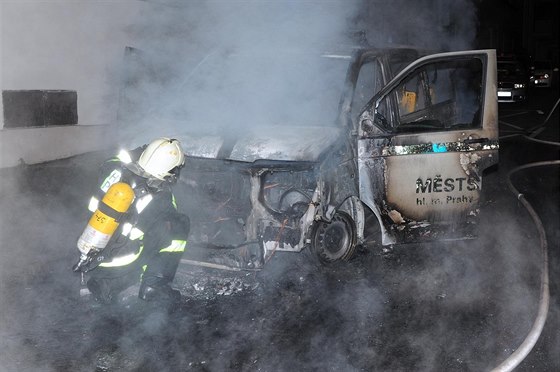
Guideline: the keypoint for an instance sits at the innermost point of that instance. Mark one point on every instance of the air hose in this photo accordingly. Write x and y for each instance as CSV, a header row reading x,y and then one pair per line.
x,y
531,339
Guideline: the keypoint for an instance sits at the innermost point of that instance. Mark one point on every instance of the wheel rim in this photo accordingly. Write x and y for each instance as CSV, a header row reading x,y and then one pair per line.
x,y
334,240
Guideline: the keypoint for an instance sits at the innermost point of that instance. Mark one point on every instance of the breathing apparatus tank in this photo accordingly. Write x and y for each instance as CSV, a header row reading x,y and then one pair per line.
x,y
105,220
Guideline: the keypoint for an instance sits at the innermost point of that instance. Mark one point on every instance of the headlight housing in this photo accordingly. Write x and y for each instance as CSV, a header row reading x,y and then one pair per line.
x,y
518,85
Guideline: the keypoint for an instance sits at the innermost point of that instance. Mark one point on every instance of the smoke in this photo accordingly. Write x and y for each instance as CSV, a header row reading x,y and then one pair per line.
x,y
230,67
426,24
455,306
225,67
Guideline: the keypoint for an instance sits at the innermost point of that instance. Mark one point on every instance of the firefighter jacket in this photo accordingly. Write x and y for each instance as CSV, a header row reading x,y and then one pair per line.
x,y
152,226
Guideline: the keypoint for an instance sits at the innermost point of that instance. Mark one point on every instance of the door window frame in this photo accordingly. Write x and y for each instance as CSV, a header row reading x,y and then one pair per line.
x,y
388,96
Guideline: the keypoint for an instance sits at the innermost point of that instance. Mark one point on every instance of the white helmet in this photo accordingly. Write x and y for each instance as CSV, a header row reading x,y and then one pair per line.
x,y
161,157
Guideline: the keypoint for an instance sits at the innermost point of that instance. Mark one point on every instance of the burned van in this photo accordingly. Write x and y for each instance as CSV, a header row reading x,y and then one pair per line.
x,y
398,153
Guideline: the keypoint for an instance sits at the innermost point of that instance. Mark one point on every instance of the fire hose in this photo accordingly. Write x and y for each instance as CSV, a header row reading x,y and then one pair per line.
x,y
534,333
531,339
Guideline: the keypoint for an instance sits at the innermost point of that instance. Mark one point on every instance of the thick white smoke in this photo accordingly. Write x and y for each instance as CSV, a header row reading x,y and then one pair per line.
x,y
233,65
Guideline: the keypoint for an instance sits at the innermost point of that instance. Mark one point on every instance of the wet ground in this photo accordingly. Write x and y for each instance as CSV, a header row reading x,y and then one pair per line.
x,y
456,306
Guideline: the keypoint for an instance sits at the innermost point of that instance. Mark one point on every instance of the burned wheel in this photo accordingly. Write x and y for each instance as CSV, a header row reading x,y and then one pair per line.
x,y
334,241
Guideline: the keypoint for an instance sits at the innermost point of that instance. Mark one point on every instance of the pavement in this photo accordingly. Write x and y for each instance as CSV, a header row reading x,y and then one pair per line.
x,y
446,306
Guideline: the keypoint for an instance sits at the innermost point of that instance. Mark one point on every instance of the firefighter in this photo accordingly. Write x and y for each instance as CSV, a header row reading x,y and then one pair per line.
x,y
136,234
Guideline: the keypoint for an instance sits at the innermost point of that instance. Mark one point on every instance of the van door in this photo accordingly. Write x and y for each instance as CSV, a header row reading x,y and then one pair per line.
x,y
423,143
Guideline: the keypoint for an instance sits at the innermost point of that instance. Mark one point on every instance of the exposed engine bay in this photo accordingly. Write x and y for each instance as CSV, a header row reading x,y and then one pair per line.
x,y
242,214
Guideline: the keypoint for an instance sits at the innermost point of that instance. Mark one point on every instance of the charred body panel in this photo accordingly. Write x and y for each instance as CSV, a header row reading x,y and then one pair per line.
x,y
434,203
431,141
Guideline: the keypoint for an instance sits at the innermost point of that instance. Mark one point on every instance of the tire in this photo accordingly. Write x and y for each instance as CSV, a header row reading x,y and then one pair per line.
x,y
334,241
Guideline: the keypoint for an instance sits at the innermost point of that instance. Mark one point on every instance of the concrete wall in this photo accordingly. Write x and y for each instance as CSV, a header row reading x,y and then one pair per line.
x,y
38,145
57,44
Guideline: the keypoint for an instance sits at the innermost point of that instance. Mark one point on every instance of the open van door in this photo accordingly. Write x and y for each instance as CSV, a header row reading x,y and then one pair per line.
x,y
430,132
